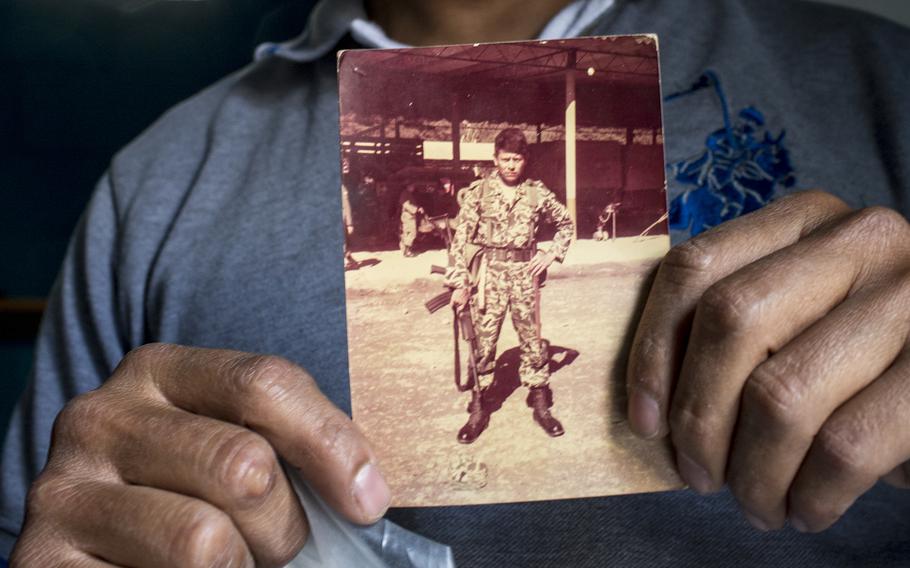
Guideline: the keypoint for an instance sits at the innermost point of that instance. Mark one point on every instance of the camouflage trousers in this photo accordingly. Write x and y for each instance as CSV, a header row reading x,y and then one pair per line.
x,y
509,287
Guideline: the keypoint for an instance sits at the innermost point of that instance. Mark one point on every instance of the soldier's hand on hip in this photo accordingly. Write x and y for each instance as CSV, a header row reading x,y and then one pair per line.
x,y
174,462
773,349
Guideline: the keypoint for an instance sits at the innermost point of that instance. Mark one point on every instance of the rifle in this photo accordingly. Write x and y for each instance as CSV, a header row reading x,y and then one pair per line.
x,y
462,324
465,323
439,301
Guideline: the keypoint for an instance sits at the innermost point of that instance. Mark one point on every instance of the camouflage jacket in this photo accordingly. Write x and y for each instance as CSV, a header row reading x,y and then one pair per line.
x,y
407,204
487,219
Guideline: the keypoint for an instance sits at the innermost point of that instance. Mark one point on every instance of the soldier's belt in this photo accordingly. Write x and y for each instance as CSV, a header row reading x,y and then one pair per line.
x,y
509,254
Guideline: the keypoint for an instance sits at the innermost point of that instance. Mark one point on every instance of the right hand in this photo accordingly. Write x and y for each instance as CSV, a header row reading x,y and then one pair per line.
x,y
460,298
174,462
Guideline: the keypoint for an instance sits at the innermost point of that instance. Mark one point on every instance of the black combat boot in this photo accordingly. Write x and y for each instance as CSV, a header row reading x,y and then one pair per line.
x,y
541,400
477,421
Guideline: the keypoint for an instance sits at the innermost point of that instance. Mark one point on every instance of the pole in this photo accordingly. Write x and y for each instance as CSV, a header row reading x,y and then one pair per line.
x,y
456,131
570,128
613,234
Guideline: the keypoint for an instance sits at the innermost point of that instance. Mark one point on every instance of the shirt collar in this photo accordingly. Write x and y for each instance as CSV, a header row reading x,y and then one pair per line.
x,y
496,183
331,20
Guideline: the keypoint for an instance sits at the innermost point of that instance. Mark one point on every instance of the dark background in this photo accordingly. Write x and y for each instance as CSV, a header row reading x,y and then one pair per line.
x,y
78,80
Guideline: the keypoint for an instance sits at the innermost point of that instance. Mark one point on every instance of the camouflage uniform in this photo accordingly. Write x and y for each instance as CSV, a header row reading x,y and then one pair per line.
x,y
488,220
409,208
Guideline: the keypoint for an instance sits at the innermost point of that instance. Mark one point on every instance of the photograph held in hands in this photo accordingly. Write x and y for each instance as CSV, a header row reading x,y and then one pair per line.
x,y
504,208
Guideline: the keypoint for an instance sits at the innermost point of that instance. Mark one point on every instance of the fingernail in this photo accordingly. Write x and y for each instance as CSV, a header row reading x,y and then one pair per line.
x,y
756,522
644,414
694,475
799,524
371,492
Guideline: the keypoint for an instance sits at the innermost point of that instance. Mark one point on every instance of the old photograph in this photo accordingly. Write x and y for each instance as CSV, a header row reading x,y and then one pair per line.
x,y
504,208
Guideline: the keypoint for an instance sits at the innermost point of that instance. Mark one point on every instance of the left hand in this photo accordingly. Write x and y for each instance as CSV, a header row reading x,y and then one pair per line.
x,y
773,349
540,262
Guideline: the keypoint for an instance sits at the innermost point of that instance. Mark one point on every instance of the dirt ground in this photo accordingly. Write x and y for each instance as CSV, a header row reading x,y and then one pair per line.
x,y
405,399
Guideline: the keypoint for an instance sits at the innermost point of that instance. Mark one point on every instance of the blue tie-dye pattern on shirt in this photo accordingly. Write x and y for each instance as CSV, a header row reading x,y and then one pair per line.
x,y
738,172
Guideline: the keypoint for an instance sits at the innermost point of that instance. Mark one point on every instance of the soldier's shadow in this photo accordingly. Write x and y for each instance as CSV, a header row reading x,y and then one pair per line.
x,y
358,264
506,380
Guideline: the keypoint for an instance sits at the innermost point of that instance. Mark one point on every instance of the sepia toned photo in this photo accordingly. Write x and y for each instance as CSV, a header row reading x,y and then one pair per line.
x,y
504,208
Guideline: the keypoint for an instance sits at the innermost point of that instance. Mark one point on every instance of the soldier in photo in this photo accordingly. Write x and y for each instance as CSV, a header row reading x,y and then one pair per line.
x,y
606,216
346,215
448,206
366,204
496,269
410,209
441,210
447,201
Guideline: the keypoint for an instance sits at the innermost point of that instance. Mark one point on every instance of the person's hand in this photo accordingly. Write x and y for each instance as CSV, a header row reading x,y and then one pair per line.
x,y
460,297
540,262
773,349
174,462
350,229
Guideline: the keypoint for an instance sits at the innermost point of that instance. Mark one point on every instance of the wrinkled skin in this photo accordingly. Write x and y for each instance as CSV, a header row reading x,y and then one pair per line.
x,y
773,352
174,462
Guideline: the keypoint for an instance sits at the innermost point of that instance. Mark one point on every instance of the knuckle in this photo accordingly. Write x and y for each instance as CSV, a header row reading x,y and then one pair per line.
x,y
646,349
208,539
46,495
249,468
333,434
819,199
729,307
844,452
770,396
687,263
268,379
80,420
880,222
689,426
883,219
145,357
